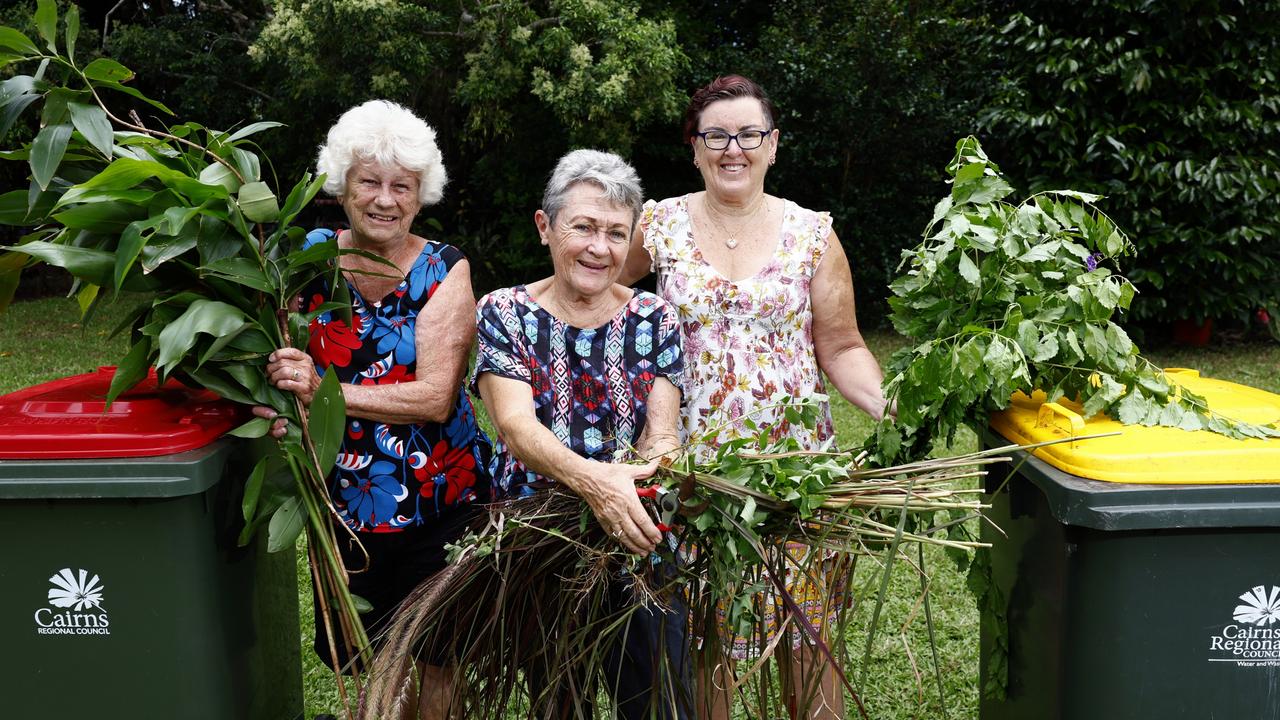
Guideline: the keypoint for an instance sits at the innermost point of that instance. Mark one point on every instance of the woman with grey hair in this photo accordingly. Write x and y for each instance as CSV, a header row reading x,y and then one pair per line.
x,y
574,370
413,463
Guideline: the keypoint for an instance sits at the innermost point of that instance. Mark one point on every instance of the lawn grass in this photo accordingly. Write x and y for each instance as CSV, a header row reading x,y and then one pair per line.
x,y
43,340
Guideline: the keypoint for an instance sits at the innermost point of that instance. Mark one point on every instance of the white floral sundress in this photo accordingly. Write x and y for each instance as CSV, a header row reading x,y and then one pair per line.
x,y
744,341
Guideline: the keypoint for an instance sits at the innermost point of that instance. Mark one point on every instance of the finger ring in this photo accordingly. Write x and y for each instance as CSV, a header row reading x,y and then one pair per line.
x,y
617,533
296,374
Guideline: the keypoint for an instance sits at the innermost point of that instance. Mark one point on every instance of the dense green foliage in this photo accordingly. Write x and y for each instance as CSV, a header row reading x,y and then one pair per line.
x,y
1003,297
1169,110
1172,111
870,94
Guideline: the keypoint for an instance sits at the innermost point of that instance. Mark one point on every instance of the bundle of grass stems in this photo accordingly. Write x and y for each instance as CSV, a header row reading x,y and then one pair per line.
x,y
523,614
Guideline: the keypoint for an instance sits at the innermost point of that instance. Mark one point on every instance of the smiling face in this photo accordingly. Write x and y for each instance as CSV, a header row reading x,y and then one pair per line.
x,y
589,240
734,173
381,203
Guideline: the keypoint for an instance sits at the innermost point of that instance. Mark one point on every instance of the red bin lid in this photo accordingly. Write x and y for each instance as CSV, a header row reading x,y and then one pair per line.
x,y
69,419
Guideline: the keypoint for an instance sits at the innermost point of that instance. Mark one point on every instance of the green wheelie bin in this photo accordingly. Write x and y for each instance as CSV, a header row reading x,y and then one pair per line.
x,y
123,593
1134,576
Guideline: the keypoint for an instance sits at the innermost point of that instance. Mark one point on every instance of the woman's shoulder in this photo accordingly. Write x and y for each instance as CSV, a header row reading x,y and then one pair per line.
x,y
676,206
644,304
516,296
811,228
449,253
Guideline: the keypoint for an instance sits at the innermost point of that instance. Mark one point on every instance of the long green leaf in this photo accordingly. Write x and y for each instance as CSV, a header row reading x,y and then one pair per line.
x,y
106,218
73,29
14,40
157,252
13,109
208,317
252,379
242,271
132,241
93,124
327,421
131,370
11,265
219,383
252,128
78,195
255,428
88,264
46,152
135,93
215,173
107,70
253,489
257,202
47,23
286,524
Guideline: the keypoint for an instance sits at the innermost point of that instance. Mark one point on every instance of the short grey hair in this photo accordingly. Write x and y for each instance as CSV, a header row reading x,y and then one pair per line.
x,y
610,173
388,134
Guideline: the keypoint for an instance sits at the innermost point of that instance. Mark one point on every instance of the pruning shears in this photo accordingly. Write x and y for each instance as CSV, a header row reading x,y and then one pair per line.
x,y
670,503
667,502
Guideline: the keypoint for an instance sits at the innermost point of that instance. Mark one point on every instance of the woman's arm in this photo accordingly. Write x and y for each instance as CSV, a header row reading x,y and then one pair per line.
x,y
638,260
660,435
842,354
443,335
610,489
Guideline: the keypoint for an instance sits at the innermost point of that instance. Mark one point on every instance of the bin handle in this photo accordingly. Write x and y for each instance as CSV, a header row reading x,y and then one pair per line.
x,y
1045,417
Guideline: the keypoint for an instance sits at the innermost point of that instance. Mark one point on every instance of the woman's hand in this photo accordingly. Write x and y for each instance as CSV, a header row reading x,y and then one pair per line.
x,y
294,371
611,493
281,424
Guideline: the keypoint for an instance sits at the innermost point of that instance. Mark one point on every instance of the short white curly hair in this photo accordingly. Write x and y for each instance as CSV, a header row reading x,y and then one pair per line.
x,y
386,133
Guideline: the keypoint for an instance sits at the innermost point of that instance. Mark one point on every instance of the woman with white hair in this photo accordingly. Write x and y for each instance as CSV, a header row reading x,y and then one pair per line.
x,y
413,463
575,370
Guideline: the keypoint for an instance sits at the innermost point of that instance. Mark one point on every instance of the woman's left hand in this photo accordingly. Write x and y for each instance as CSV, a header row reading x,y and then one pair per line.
x,y
294,371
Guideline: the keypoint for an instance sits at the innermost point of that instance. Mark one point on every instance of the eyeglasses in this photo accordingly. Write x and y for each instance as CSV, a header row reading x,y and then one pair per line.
x,y
719,139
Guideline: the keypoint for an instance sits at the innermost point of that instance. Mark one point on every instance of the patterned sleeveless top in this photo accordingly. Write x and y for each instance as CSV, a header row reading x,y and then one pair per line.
x,y
388,476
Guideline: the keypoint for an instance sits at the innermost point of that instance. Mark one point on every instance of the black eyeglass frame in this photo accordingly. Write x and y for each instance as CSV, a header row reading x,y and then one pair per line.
x,y
733,137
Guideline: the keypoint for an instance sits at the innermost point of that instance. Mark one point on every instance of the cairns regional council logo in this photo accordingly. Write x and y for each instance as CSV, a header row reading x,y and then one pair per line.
x,y
1253,640
75,606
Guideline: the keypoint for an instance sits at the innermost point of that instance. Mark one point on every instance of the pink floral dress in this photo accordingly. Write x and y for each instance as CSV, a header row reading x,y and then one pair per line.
x,y
747,340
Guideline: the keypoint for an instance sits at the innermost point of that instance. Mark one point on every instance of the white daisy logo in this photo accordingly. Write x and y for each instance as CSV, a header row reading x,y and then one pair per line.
x,y
77,592
1260,607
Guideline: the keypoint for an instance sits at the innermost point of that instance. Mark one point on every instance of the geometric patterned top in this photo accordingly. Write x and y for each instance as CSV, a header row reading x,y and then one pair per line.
x,y
590,385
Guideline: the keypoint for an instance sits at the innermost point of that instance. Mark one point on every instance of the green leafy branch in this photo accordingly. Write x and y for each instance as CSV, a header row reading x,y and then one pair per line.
x,y
1002,298
183,216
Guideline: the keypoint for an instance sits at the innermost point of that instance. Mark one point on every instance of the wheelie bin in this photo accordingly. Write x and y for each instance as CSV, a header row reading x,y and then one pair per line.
x,y
123,592
1133,576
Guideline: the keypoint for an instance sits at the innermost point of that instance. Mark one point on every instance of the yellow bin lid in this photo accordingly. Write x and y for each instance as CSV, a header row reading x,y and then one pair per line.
x,y
1151,455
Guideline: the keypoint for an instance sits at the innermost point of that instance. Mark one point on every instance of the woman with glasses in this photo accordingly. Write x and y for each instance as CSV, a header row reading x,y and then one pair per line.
x,y
765,299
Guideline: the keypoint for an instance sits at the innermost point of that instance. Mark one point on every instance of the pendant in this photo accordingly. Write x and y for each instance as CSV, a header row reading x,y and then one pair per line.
x,y
731,243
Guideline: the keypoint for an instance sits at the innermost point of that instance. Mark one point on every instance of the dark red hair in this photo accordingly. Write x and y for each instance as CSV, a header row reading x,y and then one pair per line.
x,y
725,87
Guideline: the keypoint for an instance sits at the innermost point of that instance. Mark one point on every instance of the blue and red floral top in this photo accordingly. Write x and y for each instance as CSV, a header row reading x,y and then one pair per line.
x,y
590,386
389,477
